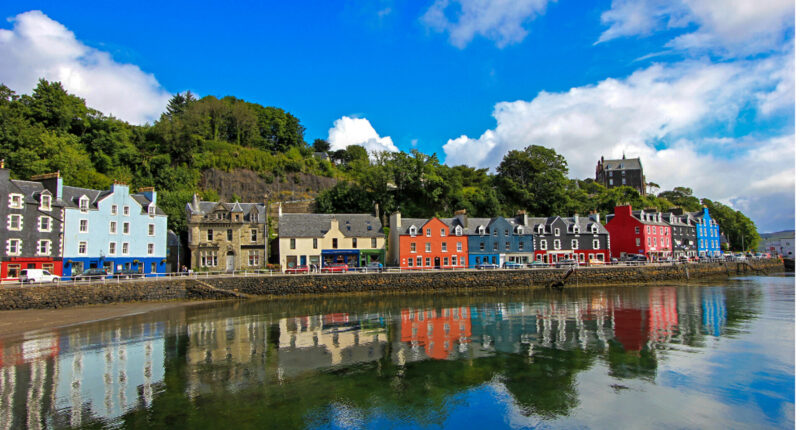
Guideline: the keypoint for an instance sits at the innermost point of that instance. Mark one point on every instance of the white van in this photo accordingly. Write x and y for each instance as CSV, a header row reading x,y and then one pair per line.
x,y
37,275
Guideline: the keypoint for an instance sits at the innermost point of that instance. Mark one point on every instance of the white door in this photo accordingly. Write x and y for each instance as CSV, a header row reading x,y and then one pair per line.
x,y
229,263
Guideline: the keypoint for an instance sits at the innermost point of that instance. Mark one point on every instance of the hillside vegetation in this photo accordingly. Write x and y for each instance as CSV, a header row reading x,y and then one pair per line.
x,y
53,130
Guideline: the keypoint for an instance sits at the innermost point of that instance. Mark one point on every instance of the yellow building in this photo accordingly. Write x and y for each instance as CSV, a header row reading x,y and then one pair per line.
x,y
318,240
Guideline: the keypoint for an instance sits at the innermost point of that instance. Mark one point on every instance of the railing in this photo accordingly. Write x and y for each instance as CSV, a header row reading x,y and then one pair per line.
x,y
139,277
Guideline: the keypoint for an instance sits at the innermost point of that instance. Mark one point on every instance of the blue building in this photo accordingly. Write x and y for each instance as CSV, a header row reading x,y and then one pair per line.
x,y
114,230
496,241
707,234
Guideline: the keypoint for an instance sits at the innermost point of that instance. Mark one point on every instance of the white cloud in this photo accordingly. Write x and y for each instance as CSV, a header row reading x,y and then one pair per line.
x,y
664,105
348,131
39,47
498,20
729,26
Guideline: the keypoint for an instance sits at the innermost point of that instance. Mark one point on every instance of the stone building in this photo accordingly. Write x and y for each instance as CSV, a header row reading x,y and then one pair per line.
x,y
227,236
616,173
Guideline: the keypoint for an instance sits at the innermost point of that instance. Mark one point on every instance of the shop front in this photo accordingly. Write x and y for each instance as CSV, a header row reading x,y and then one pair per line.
x,y
367,256
9,270
350,257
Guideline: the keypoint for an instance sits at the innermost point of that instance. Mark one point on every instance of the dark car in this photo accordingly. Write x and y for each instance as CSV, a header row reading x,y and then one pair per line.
x,y
91,274
126,274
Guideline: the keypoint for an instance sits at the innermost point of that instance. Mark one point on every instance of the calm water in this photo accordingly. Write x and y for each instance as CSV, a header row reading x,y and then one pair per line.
x,y
703,356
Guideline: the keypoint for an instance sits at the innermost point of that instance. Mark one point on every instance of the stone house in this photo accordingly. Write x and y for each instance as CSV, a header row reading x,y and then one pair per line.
x,y
616,173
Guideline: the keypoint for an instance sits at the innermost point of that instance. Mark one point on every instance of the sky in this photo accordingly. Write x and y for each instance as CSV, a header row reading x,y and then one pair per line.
x,y
703,91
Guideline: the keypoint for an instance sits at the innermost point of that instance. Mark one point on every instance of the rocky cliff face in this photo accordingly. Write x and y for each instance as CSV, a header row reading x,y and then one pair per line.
x,y
251,187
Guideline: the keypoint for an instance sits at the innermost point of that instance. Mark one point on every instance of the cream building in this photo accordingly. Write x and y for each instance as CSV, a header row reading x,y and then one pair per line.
x,y
324,239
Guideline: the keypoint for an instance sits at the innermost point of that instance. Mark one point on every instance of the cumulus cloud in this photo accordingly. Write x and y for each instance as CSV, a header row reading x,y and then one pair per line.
x,y
39,47
656,114
729,26
498,20
348,131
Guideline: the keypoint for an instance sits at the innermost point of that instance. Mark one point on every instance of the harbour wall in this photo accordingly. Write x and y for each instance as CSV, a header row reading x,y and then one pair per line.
x,y
231,287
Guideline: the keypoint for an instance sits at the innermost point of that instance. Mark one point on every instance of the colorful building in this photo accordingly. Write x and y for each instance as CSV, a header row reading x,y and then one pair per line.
x,y
639,232
114,230
580,238
684,234
418,243
496,241
325,239
30,231
708,240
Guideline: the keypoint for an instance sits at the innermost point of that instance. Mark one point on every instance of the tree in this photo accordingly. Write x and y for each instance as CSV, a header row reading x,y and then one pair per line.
x,y
321,145
534,179
682,196
653,187
739,229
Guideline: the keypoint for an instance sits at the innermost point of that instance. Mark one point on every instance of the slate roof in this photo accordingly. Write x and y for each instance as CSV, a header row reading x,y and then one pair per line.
x,y
638,215
624,164
144,201
204,208
316,225
583,222
173,239
71,196
451,223
32,190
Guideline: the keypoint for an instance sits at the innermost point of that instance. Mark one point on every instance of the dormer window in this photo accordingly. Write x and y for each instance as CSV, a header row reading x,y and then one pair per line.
x,y
459,230
520,230
576,229
44,203
412,231
83,203
540,229
151,210
15,201
594,228
481,230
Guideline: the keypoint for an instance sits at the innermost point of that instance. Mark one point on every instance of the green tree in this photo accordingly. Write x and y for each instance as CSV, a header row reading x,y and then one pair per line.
x,y
321,145
534,179
682,196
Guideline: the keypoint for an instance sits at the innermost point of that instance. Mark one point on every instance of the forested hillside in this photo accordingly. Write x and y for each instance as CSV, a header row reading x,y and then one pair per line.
x,y
52,130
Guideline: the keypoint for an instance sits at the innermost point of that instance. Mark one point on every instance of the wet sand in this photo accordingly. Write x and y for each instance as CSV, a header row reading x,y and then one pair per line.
x,y
14,323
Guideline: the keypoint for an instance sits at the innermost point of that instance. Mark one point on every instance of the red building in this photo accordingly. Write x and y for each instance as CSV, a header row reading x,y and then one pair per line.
x,y
436,332
639,232
423,244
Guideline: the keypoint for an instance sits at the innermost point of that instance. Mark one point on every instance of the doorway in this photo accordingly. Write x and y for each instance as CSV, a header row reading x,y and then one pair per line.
x,y
229,261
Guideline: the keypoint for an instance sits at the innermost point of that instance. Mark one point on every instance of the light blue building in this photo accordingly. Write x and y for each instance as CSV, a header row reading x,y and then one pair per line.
x,y
707,234
114,230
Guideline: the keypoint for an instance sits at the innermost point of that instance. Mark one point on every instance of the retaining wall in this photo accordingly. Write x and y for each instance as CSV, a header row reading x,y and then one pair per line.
x,y
56,296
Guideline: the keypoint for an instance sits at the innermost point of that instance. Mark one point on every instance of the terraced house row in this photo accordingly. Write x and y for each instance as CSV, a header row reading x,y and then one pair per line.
x,y
67,230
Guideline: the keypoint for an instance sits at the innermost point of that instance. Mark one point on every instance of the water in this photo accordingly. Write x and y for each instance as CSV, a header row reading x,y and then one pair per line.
x,y
703,356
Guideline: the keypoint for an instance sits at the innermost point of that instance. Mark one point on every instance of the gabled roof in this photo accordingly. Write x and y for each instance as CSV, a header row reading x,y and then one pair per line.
x,y
204,208
72,196
317,225
145,202
638,215
32,190
623,164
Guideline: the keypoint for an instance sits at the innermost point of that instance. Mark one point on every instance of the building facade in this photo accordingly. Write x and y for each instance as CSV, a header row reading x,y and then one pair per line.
x,y
496,241
321,240
226,236
639,232
580,238
684,234
114,230
707,229
31,227
616,173
418,243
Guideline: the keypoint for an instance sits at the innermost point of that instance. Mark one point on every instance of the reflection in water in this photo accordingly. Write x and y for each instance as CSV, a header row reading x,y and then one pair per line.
x,y
371,363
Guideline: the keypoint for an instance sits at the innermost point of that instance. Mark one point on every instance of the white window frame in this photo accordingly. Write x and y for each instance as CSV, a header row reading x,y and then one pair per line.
x,y
427,247
126,210
83,204
151,210
10,221
557,231
520,230
427,232
85,245
83,225
126,248
412,231
557,244
126,228
113,209
16,201
595,229
481,230
595,243
47,246
151,229
442,233
16,243
459,230
459,247
413,247
253,258
543,244
444,246
112,227
49,199
574,243
151,249
49,224
112,248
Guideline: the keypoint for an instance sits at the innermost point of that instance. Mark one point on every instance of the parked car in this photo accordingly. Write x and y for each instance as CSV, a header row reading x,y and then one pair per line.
x,y
37,275
335,268
512,265
91,274
538,264
567,262
636,259
298,269
596,262
374,267
127,274
484,266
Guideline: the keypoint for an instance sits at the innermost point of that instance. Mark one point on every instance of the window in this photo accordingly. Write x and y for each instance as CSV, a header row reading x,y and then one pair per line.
x,y
83,203
151,229
413,248
428,232
494,233
83,227
15,201
483,246
44,224
442,233
557,244
446,261
126,228
210,234
481,230
253,235
459,247
521,246
314,243
462,261
126,210
574,244
253,257
229,234
151,248
43,247
557,232
662,241
494,246
44,204
208,258
636,230
113,209
638,241
596,244
508,246
15,222
151,210
125,248
623,179
543,245
112,248
13,271
454,259
292,243
647,228
427,261
374,242
661,230
459,230
444,246
112,227
610,181
335,243
419,261
355,243
82,248
412,231
649,241
410,262
427,247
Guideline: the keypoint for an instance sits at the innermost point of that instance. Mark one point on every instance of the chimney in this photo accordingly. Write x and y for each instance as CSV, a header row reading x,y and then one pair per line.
x,y
377,211
195,203
523,217
576,219
280,209
150,193
51,182
594,216
461,215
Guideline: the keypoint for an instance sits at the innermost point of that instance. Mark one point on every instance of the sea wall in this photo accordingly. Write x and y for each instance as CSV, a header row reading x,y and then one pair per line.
x,y
57,296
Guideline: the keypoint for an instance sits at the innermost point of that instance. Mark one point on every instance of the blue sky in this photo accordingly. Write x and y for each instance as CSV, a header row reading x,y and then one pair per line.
x,y
697,89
